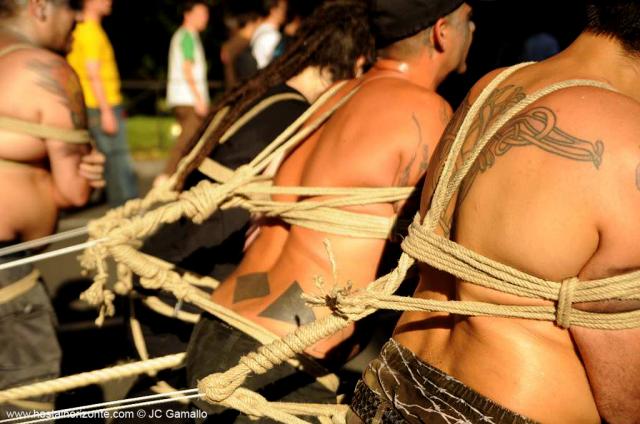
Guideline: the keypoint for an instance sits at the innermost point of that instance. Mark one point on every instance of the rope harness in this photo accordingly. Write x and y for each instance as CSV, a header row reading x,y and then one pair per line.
x,y
34,129
422,244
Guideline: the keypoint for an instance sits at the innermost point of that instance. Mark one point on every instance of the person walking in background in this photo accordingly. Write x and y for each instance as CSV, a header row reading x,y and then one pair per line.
x,y
93,60
267,36
187,90
241,19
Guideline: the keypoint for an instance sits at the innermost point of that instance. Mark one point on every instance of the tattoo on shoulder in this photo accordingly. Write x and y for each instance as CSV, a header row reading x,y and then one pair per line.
x,y
405,176
535,127
290,308
445,115
251,286
55,77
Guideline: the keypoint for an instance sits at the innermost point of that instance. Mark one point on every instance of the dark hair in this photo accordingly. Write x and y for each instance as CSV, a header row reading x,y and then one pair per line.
x,y
619,19
188,5
9,8
267,5
301,9
333,37
243,12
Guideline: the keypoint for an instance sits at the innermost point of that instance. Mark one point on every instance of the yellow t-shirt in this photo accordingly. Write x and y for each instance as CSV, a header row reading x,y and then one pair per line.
x,y
91,44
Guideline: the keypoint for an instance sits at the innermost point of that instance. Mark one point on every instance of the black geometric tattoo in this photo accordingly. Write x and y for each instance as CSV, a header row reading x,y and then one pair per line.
x,y
290,308
251,286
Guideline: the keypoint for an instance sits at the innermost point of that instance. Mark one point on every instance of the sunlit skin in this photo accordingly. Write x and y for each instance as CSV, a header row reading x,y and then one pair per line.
x,y
352,150
555,215
57,175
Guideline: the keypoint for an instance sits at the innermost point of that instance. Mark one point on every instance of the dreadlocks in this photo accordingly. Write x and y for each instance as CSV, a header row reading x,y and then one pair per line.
x,y
333,37
9,8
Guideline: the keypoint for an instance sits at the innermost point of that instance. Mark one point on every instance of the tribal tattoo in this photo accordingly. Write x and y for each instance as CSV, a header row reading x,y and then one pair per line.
x,y
290,308
56,78
536,127
405,177
251,286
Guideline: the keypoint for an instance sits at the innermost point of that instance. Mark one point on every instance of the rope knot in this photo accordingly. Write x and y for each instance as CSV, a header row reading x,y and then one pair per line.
x,y
565,302
216,388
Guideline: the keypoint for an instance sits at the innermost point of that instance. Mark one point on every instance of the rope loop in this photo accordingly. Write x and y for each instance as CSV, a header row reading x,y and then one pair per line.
x,y
217,388
565,302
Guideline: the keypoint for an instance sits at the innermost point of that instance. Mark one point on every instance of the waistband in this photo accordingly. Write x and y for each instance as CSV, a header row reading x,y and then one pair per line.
x,y
10,276
399,387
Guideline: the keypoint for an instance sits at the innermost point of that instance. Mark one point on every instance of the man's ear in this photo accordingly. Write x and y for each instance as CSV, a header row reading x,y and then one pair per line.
x,y
38,8
439,33
359,66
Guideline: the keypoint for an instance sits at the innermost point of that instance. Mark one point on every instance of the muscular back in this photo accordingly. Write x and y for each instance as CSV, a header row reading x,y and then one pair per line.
x,y
39,87
351,150
552,194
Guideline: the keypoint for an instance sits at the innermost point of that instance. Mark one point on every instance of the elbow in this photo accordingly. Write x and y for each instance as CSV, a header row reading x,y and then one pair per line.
x,y
74,198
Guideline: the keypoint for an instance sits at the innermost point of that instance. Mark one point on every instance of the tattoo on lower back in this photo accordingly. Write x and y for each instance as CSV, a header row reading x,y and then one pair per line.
x,y
290,307
251,286
56,78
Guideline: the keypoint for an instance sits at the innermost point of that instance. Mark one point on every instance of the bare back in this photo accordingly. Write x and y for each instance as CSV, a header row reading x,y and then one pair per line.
x,y
38,176
543,197
352,150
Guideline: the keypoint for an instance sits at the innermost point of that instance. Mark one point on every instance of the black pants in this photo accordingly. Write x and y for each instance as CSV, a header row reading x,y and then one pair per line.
x,y
398,387
216,346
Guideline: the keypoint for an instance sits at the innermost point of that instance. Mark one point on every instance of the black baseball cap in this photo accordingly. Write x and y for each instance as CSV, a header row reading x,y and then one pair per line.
x,y
393,20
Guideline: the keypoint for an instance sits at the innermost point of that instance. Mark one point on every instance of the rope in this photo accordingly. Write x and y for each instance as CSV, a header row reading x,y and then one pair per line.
x,y
32,244
95,377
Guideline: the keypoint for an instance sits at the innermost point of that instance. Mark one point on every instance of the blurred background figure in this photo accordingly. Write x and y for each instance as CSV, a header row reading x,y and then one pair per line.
x,y
93,60
539,47
267,36
241,19
187,87
297,11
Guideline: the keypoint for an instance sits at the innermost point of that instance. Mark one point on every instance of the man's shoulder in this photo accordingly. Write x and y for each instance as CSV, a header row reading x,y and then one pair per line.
x,y
36,61
395,98
396,93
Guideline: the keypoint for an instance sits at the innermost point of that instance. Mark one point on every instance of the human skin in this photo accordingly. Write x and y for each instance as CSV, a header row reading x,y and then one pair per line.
x,y
553,214
39,86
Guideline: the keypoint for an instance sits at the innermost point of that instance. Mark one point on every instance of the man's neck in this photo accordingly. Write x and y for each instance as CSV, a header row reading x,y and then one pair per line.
x,y
189,27
18,32
271,20
90,15
604,58
311,82
420,71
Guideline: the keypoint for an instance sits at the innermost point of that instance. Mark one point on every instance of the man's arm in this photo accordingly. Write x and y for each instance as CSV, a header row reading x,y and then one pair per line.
x,y
188,45
612,358
74,168
108,118
612,362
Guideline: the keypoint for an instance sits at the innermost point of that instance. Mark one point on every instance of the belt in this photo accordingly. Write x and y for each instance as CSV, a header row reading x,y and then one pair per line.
x,y
20,287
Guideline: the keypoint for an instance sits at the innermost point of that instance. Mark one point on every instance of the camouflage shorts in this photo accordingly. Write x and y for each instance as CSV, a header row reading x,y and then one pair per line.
x,y
29,349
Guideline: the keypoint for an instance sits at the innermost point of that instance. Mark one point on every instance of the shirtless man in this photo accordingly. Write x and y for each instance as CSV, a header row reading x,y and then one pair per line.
x,y
553,194
45,165
350,150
